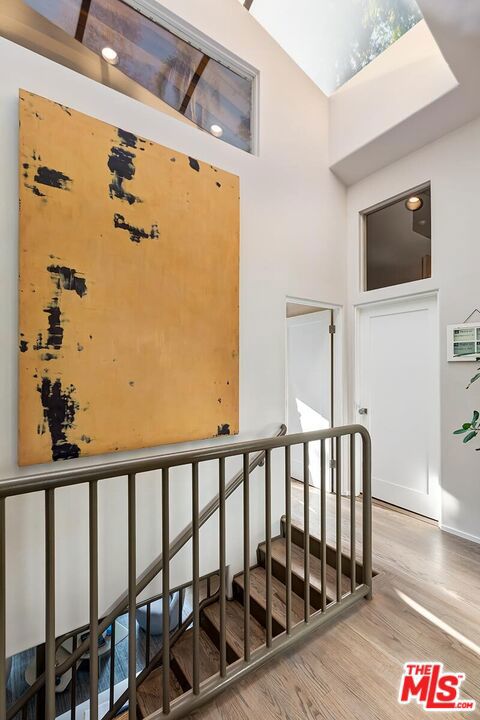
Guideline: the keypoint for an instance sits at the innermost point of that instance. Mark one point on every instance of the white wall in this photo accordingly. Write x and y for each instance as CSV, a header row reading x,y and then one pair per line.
x,y
308,361
451,164
292,243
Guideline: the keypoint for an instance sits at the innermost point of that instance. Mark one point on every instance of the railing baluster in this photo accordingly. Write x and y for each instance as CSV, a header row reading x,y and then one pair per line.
x,y
3,614
353,556
112,666
323,525
50,603
288,521
246,556
367,513
306,532
338,533
180,606
132,598
222,563
268,534
93,571
196,581
166,589
73,684
148,633
40,694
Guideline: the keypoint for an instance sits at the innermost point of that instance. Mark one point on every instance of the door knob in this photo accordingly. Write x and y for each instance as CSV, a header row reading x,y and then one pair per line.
x,y
362,411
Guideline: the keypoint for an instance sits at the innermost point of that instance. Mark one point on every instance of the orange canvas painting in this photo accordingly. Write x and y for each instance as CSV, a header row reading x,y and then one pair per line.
x,y
129,265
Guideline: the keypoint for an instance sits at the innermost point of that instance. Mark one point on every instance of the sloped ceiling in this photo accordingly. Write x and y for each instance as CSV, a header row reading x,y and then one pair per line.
x,y
455,27
422,87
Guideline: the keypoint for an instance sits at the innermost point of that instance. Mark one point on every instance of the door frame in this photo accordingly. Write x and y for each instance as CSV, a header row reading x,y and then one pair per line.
x,y
340,409
357,380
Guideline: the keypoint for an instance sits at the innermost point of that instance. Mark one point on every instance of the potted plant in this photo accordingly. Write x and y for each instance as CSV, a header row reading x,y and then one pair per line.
x,y
471,429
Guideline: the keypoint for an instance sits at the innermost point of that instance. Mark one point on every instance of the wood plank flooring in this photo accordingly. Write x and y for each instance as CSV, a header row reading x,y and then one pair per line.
x,y
426,606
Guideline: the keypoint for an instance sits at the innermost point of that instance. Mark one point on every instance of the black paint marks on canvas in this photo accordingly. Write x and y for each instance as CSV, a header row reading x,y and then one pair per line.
x,y
55,329
121,165
52,178
64,108
59,409
68,279
65,278
137,234
127,138
35,190
194,164
223,429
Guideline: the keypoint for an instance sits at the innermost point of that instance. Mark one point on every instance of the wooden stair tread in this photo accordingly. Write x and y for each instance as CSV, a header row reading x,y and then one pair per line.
x,y
150,692
279,553
258,582
209,657
234,616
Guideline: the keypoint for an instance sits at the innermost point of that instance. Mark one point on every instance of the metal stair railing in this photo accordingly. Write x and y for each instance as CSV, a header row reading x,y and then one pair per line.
x,y
360,581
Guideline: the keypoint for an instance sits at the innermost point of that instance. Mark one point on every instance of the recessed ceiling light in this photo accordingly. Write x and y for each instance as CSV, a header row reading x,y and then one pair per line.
x,y
216,130
414,203
110,55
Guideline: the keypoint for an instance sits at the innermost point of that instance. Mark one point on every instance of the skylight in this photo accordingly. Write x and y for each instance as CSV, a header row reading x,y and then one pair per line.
x,y
332,40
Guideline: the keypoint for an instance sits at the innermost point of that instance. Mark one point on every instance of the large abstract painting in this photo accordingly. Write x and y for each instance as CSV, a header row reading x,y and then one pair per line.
x,y
128,320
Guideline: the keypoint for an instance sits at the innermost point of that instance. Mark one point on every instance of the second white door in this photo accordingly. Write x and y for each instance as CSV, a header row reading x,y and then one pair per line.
x,y
398,398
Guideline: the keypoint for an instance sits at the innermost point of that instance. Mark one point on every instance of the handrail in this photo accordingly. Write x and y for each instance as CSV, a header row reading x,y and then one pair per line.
x,y
45,481
9,487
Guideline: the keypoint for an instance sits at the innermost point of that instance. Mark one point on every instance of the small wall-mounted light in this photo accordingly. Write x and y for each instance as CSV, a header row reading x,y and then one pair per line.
x,y
414,203
216,130
110,55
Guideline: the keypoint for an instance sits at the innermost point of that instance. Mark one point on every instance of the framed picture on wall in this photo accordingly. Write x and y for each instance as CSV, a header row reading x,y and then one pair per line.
x,y
463,342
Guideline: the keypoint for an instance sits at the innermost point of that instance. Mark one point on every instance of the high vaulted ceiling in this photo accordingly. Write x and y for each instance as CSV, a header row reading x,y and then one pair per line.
x,y
420,88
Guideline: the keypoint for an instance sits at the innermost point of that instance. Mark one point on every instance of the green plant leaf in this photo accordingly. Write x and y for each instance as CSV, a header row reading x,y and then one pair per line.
x,y
473,379
470,436
476,415
460,431
467,426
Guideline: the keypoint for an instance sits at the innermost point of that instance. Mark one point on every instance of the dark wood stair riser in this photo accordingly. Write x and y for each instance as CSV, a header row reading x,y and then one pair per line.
x,y
316,550
177,671
257,610
214,636
298,586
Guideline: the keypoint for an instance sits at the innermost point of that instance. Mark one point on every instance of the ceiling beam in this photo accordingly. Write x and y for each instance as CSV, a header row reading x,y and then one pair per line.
x,y
82,20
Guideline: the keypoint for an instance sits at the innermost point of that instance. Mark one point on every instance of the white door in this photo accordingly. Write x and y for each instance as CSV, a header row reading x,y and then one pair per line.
x,y
397,389
309,387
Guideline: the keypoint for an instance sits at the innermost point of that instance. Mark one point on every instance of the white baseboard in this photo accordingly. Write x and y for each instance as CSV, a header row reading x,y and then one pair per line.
x,y
460,533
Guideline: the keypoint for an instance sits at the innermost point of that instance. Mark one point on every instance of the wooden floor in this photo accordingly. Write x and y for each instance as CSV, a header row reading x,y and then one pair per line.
x,y
426,606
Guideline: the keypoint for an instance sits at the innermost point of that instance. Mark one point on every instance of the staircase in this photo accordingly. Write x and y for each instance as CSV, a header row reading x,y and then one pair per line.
x,y
299,583
149,693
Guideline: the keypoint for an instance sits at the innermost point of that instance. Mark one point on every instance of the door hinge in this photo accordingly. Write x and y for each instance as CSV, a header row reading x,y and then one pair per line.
x,y
333,464
332,329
